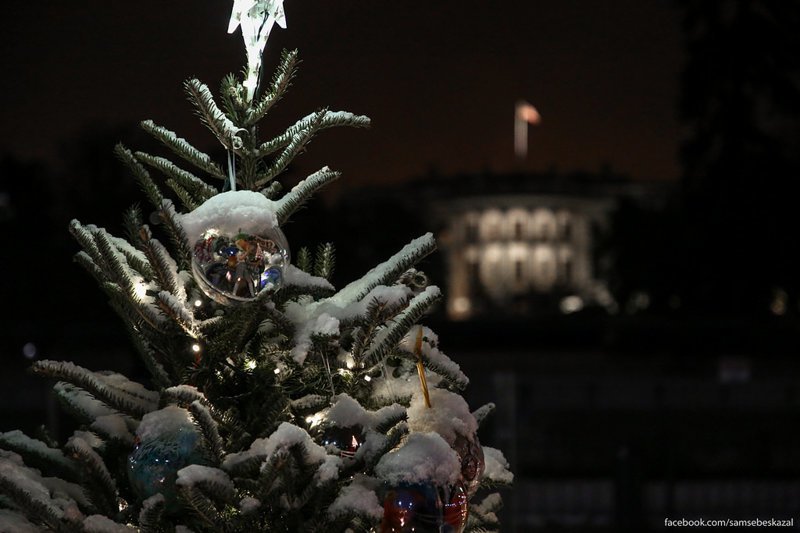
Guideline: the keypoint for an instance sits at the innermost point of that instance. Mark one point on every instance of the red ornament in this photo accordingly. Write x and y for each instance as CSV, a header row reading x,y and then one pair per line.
x,y
425,508
456,509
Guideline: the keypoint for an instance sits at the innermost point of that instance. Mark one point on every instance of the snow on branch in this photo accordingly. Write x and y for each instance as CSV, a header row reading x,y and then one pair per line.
x,y
434,359
141,175
101,524
388,338
292,149
210,114
281,80
105,495
37,453
497,471
177,311
329,120
199,189
387,272
483,412
97,385
20,485
301,192
211,480
208,428
183,149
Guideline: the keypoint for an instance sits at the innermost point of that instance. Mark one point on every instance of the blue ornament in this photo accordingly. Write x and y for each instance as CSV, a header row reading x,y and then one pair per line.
x,y
413,507
166,441
272,277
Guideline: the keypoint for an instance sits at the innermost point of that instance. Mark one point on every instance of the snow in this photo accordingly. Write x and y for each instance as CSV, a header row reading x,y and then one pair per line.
x,y
328,470
324,316
27,480
193,474
163,421
431,353
285,436
101,524
11,522
377,275
112,426
357,498
496,466
424,457
448,416
18,439
230,213
389,388
64,490
294,276
130,387
248,505
151,502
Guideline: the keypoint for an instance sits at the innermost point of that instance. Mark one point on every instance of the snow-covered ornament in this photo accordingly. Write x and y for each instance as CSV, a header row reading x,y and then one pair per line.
x,y
256,18
239,250
423,487
166,441
451,418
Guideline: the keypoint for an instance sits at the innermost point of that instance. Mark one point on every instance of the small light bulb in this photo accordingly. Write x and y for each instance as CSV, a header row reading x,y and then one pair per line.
x,y
367,378
277,371
198,303
196,348
250,364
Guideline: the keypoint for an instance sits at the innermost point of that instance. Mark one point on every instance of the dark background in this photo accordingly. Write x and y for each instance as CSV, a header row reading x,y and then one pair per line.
x,y
700,96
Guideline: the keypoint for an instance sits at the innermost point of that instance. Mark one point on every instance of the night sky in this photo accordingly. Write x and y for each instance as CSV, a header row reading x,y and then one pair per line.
x,y
439,79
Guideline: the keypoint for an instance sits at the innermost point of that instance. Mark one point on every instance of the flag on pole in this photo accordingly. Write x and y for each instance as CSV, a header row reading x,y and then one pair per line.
x,y
525,114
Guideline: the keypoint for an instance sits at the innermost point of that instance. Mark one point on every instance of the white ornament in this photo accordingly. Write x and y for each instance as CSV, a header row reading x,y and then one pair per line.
x,y
256,17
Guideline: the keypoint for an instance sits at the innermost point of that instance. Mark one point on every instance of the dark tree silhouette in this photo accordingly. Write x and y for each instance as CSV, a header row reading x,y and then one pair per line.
x,y
740,104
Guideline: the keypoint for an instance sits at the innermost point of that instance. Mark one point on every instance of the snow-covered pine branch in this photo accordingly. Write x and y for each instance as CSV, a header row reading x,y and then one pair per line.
x,y
38,454
301,192
163,266
97,385
295,146
177,311
141,175
387,272
24,488
208,111
330,119
281,80
209,429
483,412
183,149
104,493
200,191
176,234
388,338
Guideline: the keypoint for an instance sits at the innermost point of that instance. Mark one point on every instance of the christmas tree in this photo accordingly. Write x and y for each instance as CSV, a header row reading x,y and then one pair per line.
x,y
275,402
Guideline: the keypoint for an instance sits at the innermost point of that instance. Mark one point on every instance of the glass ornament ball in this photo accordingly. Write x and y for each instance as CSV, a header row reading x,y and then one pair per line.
x,y
456,509
470,452
166,441
412,507
345,440
236,268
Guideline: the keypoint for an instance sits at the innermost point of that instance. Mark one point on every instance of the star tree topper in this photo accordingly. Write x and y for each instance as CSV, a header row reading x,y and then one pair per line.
x,y
256,17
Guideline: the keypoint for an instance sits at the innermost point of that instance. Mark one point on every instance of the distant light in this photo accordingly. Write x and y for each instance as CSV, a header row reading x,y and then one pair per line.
x,y
571,304
29,350
198,303
780,301
196,348
461,305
